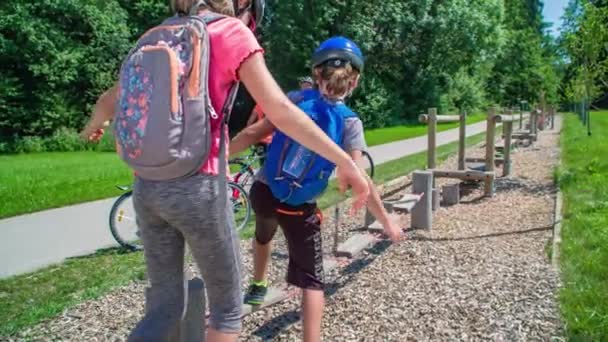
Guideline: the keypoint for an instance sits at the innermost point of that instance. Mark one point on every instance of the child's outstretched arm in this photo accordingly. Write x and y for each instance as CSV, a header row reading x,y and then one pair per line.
x,y
104,111
375,206
250,135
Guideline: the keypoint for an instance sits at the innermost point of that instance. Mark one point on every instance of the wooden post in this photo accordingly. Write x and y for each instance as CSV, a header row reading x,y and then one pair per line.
x,y
490,138
451,194
534,123
543,110
462,140
193,325
508,131
521,118
436,200
422,214
337,225
552,117
156,326
432,138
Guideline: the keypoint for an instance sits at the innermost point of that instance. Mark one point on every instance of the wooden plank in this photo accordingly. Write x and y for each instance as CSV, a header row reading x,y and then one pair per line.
x,y
464,175
273,296
408,198
354,245
376,227
497,161
405,206
506,118
424,118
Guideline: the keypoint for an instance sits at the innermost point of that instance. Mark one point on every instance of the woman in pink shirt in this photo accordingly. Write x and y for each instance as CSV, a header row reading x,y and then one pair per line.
x,y
170,213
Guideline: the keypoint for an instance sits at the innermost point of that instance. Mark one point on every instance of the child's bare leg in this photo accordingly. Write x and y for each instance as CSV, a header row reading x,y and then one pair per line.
x,y
312,309
261,256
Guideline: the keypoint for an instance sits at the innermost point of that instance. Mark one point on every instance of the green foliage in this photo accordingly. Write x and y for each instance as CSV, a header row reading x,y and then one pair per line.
x,y
585,39
528,62
419,54
583,178
57,56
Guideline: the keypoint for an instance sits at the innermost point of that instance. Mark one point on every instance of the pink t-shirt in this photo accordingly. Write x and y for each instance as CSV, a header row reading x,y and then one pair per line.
x,y
231,44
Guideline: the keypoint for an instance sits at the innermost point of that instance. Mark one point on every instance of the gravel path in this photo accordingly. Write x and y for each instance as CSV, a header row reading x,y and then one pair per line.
x,y
482,273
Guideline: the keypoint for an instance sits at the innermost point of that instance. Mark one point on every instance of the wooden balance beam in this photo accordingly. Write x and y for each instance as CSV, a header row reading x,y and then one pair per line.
x,y
464,175
497,161
425,118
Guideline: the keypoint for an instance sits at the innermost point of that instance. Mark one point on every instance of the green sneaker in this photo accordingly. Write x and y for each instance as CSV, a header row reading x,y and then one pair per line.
x,y
256,293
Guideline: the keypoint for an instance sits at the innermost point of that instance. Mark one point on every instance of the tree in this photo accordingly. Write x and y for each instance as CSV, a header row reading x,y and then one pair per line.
x,y
55,58
585,39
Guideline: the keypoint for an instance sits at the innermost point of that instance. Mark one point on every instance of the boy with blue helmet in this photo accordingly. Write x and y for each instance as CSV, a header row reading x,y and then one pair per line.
x,y
293,177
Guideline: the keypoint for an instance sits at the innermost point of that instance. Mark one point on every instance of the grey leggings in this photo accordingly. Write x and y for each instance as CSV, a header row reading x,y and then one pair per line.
x,y
172,212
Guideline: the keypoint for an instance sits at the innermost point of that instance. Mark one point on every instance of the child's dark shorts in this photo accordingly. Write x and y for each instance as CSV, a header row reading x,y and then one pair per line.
x,y
302,229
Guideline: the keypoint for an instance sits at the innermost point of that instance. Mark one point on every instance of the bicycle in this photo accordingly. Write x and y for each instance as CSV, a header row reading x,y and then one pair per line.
x,y
245,165
369,166
123,225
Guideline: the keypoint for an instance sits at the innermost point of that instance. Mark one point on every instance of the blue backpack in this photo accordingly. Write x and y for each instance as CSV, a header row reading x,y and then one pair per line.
x,y
298,96
295,174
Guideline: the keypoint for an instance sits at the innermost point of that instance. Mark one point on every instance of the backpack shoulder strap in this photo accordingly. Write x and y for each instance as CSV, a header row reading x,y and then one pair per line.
x,y
209,18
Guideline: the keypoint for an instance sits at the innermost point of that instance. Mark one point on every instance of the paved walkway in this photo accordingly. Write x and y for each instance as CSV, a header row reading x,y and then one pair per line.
x,y
36,240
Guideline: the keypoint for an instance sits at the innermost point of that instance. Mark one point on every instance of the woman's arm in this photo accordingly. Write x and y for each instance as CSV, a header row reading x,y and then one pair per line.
x,y
293,122
250,135
104,111
375,205
252,118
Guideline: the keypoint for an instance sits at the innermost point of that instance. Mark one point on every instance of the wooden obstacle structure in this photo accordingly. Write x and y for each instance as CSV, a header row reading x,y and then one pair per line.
x,y
487,175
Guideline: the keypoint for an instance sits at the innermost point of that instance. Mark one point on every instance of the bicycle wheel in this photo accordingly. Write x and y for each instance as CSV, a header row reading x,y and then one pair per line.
x,y
122,222
368,163
244,173
241,207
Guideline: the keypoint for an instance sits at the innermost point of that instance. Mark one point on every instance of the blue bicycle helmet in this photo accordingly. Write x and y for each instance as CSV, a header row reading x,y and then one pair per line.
x,y
338,49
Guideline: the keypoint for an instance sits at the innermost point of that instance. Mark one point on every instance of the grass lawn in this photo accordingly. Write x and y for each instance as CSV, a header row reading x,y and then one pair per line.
x,y
386,135
27,299
583,178
35,182
42,181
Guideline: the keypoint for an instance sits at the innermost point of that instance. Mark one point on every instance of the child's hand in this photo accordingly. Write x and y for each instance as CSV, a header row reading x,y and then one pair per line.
x,y
392,230
351,175
92,135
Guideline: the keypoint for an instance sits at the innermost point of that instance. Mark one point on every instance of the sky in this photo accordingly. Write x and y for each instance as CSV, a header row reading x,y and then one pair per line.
x,y
552,11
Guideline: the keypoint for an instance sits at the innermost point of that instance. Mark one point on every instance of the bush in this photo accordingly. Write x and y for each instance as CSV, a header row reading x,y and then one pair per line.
x,y
65,140
107,143
29,145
